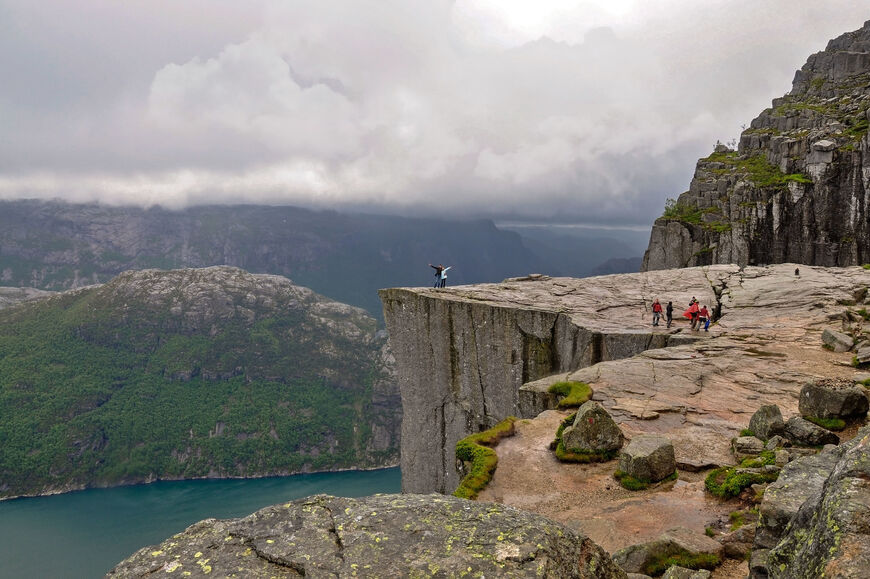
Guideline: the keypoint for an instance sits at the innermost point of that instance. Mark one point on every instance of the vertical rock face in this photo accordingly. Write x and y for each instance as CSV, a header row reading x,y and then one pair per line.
x,y
797,189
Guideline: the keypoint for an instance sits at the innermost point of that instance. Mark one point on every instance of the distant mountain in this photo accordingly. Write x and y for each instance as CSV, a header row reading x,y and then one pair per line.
x,y
190,373
582,252
347,257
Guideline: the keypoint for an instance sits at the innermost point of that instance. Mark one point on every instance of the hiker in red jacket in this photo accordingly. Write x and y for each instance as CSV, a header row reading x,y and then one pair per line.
x,y
704,318
692,313
657,312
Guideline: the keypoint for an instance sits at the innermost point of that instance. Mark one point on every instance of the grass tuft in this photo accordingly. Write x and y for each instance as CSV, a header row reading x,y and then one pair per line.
x,y
475,449
835,424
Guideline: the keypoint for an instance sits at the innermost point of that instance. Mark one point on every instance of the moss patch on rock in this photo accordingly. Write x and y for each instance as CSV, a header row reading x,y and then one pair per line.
x,y
565,455
835,424
634,484
476,451
575,393
687,560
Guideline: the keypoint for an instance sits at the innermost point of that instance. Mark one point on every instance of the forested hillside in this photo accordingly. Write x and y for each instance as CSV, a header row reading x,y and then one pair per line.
x,y
189,373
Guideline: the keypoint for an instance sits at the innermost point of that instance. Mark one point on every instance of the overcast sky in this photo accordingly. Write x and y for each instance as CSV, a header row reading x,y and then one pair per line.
x,y
576,111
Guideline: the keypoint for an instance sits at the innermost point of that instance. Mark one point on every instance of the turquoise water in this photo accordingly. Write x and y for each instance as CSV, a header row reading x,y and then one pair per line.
x,y
84,534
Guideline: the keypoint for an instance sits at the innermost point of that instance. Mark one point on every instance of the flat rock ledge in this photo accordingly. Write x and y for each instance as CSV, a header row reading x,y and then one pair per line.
x,y
377,536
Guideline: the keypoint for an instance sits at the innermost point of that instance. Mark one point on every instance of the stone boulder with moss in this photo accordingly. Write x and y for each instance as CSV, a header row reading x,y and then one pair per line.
x,y
378,536
833,398
767,422
593,432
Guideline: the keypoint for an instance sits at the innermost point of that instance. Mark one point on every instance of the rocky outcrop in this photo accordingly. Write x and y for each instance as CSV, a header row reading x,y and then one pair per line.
x,y
379,536
826,533
9,296
796,189
644,557
466,357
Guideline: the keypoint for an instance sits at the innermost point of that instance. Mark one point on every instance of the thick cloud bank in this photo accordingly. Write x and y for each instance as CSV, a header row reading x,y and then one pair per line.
x,y
563,110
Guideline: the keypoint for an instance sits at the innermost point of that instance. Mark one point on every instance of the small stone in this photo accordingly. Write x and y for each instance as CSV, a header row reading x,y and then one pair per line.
x,y
767,421
781,457
745,446
675,572
837,341
777,442
648,458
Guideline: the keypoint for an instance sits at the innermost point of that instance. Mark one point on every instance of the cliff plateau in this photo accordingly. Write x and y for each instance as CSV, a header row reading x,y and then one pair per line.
x,y
466,357
796,189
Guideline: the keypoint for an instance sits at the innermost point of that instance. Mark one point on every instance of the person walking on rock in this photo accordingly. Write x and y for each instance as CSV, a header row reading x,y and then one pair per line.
x,y
657,312
669,313
704,318
692,313
438,270
444,275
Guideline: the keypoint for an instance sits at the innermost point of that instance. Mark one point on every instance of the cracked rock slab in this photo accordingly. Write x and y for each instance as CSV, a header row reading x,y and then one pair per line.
x,y
378,536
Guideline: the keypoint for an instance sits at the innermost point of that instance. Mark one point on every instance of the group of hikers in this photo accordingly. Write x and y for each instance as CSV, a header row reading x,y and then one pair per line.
x,y
698,315
440,274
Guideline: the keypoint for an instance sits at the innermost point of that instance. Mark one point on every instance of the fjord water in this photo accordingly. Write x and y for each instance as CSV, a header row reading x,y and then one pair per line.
x,y
84,534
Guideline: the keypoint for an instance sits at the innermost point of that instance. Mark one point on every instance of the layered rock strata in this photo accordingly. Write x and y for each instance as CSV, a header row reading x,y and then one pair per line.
x,y
796,189
468,356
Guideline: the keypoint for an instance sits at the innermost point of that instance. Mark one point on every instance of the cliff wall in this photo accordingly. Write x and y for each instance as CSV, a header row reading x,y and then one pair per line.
x,y
796,189
463,353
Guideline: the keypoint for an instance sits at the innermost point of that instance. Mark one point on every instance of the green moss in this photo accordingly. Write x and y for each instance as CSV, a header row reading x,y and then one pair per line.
x,y
685,559
709,532
475,449
633,484
746,432
866,266
737,519
676,211
835,424
725,482
574,393
864,313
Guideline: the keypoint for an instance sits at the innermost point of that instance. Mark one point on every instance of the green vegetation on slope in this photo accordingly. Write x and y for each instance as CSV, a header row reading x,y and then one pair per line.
x,y
482,460
98,389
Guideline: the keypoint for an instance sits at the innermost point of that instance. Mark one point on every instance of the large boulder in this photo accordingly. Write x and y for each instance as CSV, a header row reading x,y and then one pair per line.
x,y
833,398
829,536
798,480
593,431
767,422
648,458
378,536
804,433
642,558
862,353
837,341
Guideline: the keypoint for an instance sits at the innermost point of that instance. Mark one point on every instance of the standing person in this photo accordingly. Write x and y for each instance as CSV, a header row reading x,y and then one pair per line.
x,y
657,312
669,312
692,313
704,318
444,275
438,269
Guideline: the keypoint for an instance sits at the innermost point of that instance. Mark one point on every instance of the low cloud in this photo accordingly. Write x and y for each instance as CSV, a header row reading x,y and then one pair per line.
x,y
570,111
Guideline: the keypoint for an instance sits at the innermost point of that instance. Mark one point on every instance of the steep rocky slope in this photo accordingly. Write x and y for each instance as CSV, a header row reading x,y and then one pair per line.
x,y
797,189
190,373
